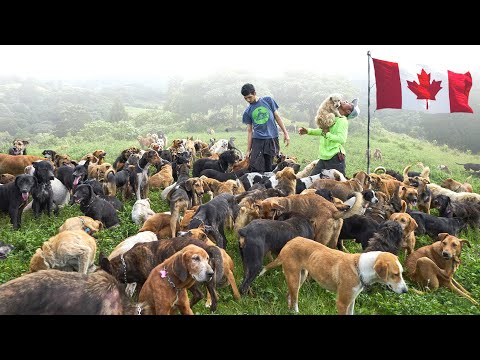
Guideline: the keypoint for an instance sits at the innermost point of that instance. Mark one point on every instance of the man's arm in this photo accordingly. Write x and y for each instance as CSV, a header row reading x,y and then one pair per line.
x,y
249,140
340,135
286,138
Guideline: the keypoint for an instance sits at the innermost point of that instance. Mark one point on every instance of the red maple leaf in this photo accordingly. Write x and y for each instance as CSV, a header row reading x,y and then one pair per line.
x,y
425,90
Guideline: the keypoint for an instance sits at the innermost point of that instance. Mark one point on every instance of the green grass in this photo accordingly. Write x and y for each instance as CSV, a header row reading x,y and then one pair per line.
x,y
270,290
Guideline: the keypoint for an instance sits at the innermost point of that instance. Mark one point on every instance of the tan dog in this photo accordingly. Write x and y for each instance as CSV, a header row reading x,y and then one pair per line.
x,y
343,273
410,195
70,250
160,225
377,154
287,181
307,170
100,155
15,164
82,223
6,178
62,159
326,219
344,189
409,225
187,217
161,179
457,186
217,187
434,265
328,110
165,289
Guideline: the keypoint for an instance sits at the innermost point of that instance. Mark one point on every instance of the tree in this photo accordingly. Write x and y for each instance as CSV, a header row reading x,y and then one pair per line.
x,y
117,112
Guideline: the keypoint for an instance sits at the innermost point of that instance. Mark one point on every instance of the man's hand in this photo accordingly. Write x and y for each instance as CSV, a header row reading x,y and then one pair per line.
x,y
286,140
247,154
325,130
302,131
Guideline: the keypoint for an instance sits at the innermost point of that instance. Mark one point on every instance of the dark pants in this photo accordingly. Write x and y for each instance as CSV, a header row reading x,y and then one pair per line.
x,y
262,154
333,163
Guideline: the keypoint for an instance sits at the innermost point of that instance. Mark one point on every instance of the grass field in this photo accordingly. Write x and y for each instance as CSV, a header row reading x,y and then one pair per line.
x,y
270,290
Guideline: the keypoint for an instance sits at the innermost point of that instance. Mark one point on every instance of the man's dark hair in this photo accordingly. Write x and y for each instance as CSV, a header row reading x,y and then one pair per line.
x,y
247,89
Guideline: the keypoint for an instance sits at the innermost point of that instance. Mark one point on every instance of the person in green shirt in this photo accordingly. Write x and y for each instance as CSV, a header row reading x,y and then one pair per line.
x,y
331,150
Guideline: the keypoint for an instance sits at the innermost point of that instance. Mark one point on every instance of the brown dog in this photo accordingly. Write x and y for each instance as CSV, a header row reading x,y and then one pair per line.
x,y
434,265
344,189
162,179
457,186
71,250
82,223
6,178
15,164
409,225
166,287
160,225
377,154
326,219
343,273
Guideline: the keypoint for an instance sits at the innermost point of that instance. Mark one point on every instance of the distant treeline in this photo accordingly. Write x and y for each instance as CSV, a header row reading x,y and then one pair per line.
x,y
29,108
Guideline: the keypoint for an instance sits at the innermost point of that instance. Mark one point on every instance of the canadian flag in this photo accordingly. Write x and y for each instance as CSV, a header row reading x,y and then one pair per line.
x,y
421,88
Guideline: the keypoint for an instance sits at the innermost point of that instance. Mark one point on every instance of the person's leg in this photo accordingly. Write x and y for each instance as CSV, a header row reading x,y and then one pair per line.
x,y
335,163
268,162
257,159
318,168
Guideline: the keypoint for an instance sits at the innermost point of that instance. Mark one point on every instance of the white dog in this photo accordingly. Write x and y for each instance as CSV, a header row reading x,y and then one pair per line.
x,y
128,243
141,211
328,110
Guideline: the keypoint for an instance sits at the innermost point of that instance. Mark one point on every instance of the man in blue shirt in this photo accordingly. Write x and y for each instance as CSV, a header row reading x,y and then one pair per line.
x,y
260,117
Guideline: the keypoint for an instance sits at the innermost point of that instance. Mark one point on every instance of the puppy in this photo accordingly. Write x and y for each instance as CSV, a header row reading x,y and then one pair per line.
x,y
82,223
141,211
71,250
328,110
165,289
434,265
345,274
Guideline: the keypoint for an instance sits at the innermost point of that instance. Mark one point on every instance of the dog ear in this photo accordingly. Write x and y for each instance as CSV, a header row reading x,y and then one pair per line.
x,y
179,268
465,242
188,185
442,236
404,206
104,263
25,142
412,225
381,269
100,224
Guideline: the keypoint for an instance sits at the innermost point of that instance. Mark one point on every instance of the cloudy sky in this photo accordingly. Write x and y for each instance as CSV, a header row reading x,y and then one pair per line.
x,y
191,61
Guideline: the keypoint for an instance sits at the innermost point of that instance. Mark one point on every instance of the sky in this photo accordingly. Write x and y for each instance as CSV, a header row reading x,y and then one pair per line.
x,y
61,62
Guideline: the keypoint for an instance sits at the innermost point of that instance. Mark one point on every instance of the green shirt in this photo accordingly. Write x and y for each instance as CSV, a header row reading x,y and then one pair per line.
x,y
332,142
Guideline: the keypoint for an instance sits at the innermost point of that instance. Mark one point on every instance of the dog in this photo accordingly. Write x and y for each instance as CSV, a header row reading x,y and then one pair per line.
x,y
388,238
456,186
5,249
121,159
141,211
15,164
128,243
345,274
262,236
14,197
137,263
444,168
163,178
54,292
434,225
344,189
42,194
468,211
165,288
327,220
82,223
435,265
377,154
49,154
328,110
6,178
141,181
95,207
214,214
470,166
409,225
19,147
226,160
454,196
70,250
71,178
160,225
307,170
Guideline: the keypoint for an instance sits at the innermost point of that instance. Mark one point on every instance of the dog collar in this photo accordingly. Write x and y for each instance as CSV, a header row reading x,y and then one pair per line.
x,y
124,264
360,277
86,228
164,275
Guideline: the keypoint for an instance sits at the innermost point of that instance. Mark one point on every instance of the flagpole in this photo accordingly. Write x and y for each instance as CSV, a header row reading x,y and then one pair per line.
x,y
368,121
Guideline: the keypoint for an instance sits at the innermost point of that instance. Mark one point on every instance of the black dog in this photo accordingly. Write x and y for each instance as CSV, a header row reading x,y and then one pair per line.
x,y
214,213
358,227
264,235
42,194
470,166
95,207
227,159
98,190
388,237
71,178
466,210
14,197
434,225
221,176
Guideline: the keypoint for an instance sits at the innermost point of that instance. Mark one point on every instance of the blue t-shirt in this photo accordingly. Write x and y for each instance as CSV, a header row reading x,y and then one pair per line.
x,y
260,116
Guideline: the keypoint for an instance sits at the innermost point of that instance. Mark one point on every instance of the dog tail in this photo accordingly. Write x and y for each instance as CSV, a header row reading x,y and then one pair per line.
x,y
356,209
274,263
167,190
216,256
380,168
405,171
459,163
467,179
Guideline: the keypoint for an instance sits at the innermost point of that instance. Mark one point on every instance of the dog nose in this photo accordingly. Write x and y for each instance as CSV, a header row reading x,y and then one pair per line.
x,y
446,255
210,274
